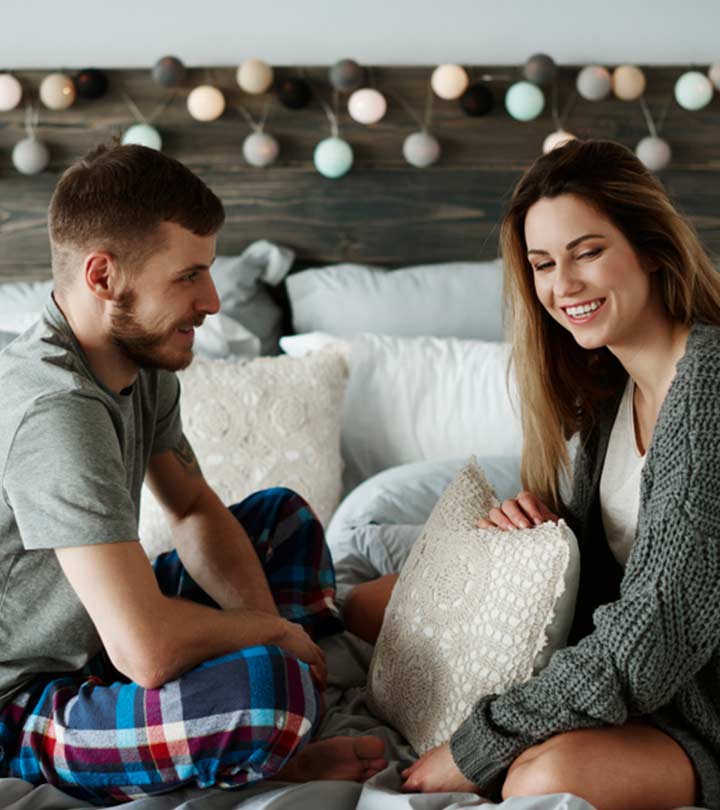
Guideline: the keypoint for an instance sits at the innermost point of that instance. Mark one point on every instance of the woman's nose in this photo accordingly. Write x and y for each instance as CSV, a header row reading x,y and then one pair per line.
x,y
565,283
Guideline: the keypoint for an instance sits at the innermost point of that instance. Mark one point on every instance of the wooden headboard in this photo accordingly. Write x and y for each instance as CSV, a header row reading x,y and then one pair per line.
x,y
384,211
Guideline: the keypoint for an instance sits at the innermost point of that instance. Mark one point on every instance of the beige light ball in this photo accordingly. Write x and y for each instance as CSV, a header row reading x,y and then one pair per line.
x,y
10,92
556,139
205,103
449,81
714,74
628,82
255,76
57,91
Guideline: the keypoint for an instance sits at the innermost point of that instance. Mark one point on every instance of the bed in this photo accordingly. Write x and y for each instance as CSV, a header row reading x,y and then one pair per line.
x,y
391,381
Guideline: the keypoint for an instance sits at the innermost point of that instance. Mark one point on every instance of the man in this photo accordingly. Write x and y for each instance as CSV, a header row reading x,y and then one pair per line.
x,y
116,680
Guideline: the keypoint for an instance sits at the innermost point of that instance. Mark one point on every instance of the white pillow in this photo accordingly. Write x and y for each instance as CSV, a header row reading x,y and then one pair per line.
x,y
456,299
411,399
474,612
257,424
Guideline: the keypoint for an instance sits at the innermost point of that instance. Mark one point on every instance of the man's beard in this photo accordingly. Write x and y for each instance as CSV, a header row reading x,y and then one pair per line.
x,y
140,345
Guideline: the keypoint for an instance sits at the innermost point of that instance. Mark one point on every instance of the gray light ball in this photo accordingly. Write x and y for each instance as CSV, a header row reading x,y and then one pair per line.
x,y
421,149
347,76
30,156
594,83
169,72
260,149
654,153
540,69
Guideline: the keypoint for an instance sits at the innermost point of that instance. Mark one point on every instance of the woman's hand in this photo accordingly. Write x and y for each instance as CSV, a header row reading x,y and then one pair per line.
x,y
436,772
518,513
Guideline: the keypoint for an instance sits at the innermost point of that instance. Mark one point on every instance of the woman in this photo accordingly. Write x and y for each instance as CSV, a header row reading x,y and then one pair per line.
x,y
615,310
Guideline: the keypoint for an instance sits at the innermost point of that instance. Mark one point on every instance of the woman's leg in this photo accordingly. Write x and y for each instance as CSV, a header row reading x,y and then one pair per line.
x,y
631,767
364,608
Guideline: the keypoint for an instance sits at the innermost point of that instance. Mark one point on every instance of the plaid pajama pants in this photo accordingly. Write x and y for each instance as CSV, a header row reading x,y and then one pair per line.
x,y
230,721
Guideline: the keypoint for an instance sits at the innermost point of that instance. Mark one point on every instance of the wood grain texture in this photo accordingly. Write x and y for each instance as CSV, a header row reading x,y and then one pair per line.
x,y
384,212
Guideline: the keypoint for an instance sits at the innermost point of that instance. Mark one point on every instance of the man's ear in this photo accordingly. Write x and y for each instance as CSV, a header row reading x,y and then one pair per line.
x,y
102,276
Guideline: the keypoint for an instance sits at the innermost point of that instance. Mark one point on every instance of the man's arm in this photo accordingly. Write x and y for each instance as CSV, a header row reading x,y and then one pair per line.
x,y
153,638
212,545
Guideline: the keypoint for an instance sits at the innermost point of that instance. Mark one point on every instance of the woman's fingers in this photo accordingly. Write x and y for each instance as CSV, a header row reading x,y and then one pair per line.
x,y
517,513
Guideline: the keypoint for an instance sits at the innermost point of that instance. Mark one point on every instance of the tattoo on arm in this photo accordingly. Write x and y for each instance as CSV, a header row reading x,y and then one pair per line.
x,y
185,455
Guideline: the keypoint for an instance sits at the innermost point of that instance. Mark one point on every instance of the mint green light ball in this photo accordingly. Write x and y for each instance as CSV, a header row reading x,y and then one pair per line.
x,y
142,135
524,101
693,90
333,157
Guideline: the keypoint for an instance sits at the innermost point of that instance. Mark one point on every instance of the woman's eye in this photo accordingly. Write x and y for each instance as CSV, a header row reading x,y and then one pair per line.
x,y
590,253
543,266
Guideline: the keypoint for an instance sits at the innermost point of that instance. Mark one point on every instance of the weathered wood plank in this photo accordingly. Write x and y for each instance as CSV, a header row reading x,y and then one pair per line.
x,y
384,211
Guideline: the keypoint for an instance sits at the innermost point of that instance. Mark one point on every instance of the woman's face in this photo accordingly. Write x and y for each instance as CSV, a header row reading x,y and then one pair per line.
x,y
587,275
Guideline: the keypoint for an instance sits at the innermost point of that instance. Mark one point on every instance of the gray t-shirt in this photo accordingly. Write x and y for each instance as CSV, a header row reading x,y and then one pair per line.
x,y
73,455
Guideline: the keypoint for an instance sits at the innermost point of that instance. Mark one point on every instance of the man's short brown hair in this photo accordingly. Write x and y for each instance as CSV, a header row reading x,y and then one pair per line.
x,y
115,198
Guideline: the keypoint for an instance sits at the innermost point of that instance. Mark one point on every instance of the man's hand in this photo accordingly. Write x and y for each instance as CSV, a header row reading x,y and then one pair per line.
x,y
436,772
289,636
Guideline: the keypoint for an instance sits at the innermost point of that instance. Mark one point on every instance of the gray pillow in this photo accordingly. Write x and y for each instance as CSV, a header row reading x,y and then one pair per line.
x,y
240,281
459,299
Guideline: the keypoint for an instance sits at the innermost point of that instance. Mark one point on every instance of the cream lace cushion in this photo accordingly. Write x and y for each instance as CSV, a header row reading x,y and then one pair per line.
x,y
272,421
474,612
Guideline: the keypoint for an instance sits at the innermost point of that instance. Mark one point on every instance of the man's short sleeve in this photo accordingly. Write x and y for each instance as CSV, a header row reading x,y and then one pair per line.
x,y
65,479
168,426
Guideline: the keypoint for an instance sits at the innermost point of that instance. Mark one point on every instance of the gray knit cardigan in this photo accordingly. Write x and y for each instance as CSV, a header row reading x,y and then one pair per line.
x,y
645,643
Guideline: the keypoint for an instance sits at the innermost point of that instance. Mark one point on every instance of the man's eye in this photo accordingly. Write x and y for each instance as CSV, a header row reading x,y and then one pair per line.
x,y
190,277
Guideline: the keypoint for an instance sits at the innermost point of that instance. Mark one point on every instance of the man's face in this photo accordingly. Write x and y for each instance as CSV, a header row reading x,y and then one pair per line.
x,y
154,317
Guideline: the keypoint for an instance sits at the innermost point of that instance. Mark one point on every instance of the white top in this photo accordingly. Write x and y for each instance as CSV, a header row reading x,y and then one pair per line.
x,y
620,480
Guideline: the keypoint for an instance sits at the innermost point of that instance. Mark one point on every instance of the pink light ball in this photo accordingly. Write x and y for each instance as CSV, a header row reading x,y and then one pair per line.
x,y
10,92
260,149
367,106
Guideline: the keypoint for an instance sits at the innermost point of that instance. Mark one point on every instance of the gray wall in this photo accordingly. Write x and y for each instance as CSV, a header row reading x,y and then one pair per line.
x,y
134,33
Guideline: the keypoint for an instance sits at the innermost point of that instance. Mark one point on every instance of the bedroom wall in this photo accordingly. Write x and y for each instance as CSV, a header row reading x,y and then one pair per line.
x,y
78,33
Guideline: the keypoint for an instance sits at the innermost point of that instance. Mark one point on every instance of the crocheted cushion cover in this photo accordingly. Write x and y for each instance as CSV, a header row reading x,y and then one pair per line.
x,y
473,612
273,421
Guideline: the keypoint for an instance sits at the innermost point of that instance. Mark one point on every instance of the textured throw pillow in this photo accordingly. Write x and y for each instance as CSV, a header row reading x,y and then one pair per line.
x,y
412,399
474,612
257,424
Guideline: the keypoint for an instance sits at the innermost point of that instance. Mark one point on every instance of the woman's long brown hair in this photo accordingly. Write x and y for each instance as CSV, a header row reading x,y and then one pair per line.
x,y
560,384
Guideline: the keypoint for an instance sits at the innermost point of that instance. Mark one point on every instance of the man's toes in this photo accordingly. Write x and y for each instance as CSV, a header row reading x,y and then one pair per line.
x,y
369,747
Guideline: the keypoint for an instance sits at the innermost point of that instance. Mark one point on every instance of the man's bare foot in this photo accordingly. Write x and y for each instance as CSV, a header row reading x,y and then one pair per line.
x,y
351,758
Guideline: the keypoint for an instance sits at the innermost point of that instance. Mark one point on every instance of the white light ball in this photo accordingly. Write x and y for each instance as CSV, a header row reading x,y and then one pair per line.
x,y
333,157
421,149
206,103
654,153
594,83
30,156
57,91
524,101
255,76
693,90
142,135
449,81
556,139
714,74
367,106
628,82
10,92
260,149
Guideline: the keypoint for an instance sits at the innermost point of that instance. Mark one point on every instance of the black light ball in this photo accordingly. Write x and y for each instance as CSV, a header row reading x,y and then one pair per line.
x,y
294,93
477,100
169,72
540,69
90,83
347,76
